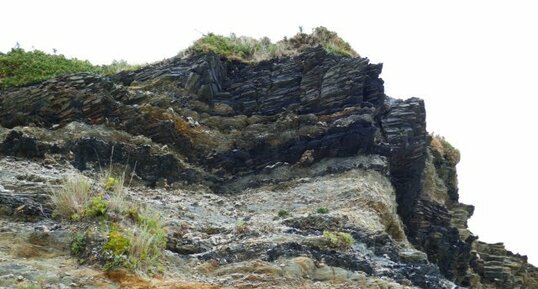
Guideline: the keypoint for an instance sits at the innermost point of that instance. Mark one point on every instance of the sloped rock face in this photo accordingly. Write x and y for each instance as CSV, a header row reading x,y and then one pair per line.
x,y
232,128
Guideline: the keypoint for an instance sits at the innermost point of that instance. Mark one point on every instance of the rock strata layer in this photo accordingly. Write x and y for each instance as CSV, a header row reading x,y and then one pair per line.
x,y
312,129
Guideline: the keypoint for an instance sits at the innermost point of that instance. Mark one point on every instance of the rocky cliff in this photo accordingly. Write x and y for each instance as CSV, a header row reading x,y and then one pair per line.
x,y
251,164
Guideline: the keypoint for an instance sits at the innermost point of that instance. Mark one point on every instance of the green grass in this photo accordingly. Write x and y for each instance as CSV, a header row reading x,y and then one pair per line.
x,y
147,241
19,67
76,200
96,207
117,243
30,286
71,199
322,210
139,246
248,49
135,234
78,244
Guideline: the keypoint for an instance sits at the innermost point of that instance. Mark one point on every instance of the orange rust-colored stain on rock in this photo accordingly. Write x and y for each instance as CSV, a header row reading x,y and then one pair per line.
x,y
158,114
127,280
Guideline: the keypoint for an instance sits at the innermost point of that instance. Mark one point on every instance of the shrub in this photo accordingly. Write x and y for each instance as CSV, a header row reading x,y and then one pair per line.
x,y
111,183
117,243
283,214
117,66
445,149
19,67
78,244
329,40
115,249
71,199
96,207
322,211
338,240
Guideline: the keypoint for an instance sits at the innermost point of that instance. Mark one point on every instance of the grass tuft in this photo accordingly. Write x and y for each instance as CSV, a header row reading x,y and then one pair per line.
x,y
147,243
322,210
114,185
71,199
445,149
247,49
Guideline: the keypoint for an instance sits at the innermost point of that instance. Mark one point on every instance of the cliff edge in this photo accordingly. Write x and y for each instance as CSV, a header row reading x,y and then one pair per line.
x,y
288,172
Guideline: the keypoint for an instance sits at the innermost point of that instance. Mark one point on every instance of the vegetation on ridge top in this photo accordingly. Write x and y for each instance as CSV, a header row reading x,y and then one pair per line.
x,y
19,67
445,149
248,49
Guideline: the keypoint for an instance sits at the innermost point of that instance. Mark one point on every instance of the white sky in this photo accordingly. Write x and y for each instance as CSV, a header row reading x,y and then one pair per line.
x,y
474,62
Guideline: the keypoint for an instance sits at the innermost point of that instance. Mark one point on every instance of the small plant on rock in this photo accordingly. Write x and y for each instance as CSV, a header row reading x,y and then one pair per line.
x,y
115,249
241,228
339,240
147,241
322,211
133,214
445,149
78,244
30,286
71,199
96,207
117,243
111,183
283,214
115,188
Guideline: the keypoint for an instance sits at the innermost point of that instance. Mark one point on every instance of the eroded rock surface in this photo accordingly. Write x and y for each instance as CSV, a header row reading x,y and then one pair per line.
x,y
221,147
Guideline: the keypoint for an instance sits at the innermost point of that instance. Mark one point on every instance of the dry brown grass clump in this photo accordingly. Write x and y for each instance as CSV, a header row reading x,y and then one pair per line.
x,y
247,49
73,197
445,149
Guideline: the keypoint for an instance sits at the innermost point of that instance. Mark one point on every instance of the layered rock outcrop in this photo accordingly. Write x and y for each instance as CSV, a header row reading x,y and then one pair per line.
x,y
289,126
